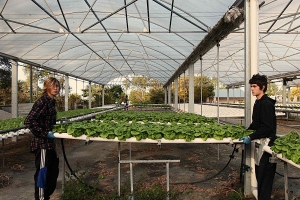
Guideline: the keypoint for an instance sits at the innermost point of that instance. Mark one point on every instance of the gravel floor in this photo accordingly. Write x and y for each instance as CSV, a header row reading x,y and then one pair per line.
x,y
197,162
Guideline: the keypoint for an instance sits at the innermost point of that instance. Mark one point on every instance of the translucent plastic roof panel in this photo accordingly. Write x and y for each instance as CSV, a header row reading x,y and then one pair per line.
x,y
103,40
279,46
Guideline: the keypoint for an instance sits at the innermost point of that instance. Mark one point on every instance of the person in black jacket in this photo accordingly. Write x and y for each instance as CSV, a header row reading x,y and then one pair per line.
x,y
40,122
264,126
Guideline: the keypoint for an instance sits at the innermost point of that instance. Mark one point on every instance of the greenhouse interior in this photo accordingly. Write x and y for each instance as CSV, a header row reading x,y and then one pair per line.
x,y
154,96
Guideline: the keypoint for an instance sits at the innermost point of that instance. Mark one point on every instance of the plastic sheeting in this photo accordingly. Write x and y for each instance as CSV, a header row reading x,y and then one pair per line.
x,y
110,40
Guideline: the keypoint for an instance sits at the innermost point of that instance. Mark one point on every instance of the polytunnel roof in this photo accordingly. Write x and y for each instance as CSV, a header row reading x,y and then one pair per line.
x,y
104,40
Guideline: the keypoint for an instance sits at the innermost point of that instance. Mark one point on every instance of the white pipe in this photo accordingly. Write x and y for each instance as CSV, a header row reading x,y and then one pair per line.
x,y
133,139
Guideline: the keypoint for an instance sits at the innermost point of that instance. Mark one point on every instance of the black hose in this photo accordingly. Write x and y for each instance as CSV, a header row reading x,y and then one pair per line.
x,y
72,171
200,181
289,177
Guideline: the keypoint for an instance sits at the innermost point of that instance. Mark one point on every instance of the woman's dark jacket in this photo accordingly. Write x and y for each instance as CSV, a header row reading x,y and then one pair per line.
x,y
40,121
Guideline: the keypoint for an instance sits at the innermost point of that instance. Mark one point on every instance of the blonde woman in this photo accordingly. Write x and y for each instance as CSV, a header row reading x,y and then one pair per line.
x,y
40,122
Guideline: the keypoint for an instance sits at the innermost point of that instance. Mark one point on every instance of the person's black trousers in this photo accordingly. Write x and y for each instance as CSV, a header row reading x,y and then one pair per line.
x,y
265,173
48,159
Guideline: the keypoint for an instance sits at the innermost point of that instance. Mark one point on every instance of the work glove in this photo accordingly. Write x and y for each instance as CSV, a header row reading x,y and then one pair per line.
x,y
51,135
246,140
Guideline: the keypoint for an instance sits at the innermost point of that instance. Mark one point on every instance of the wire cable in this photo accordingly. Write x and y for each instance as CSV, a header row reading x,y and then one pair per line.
x,y
200,181
72,171
289,177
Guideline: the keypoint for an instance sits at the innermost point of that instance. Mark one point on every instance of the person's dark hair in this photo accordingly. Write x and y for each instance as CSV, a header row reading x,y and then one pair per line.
x,y
260,80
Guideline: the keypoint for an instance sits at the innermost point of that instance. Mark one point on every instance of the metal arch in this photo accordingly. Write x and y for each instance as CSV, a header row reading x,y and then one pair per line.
x,y
45,29
62,12
108,35
86,14
70,60
279,28
40,66
75,35
293,65
152,55
3,17
143,48
153,50
148,16
101,70
147,52
187,14
80,66
289,29
224,59
140,18
280,18
73,60
44,42
172,6
270,63
7,23
125,6
63,44
280,15
175,33
180,15
126,16
165,71
3,6
279,44
284,58
272,20
233,61
164,44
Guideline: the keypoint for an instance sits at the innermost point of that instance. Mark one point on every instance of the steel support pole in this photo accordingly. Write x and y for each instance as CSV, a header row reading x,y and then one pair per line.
x,y
131,181
103,95
191,104
169,93
218,92
3,159
176,93
179,105
218,77
284,94
14,89
184,87
168,179
66,93
201,82
63,170
286,184
90,95
251,67
166,95
30,75
119,169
